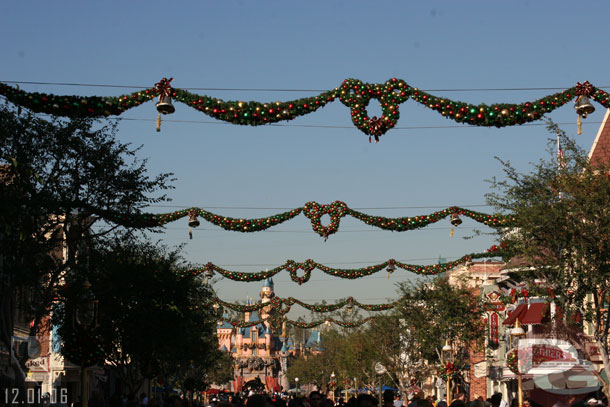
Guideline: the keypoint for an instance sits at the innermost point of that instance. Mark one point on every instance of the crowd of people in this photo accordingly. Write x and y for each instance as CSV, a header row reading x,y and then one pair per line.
x,y
318,399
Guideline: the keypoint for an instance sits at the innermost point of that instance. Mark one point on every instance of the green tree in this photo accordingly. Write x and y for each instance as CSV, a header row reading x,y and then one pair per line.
x,y
563,233
57,179
430,313
153,318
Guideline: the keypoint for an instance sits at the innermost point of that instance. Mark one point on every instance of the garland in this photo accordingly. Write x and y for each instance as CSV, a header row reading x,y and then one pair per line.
x,y
306,325
308,265
538,290
283,305
314,212
352,93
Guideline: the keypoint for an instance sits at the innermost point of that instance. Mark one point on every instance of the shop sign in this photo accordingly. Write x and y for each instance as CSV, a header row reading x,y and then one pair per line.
x,y
493,328
38,364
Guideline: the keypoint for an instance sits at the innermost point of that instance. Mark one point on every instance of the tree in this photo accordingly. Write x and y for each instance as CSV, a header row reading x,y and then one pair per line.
x,y
563,233
430,313
57,179
153,318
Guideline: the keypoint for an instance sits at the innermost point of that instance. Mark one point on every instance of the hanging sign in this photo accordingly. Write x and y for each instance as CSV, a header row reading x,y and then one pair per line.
x,y
493,328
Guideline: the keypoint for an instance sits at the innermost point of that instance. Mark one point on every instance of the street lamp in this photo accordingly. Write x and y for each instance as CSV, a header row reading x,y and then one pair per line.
x,y
85,316
333,383
296,380
446,354
356,387
515,334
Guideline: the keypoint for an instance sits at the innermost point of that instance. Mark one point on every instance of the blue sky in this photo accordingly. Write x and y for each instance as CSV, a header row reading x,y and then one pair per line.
x,y
314,45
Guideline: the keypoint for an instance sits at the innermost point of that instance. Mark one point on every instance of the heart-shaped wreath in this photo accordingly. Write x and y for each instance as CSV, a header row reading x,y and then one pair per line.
x,y
292,267
314,211
357,95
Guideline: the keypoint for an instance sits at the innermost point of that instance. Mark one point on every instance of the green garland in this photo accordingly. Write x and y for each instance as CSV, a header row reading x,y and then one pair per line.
x,y
351,274
416,222
353,93
314,212
282,305
306,325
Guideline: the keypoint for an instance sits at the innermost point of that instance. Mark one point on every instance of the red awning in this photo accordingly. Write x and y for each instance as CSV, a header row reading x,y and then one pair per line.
x,y
513,315
534,314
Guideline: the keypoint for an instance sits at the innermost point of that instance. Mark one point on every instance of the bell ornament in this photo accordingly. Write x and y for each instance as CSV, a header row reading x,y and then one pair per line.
x,y
165,105
583,106
455,220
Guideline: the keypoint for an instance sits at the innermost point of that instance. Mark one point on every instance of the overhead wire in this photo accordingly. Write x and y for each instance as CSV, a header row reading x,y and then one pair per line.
x,y
76,84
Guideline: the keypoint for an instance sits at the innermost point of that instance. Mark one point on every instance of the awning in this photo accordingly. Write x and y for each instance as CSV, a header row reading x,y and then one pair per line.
x,y
534,314
513,315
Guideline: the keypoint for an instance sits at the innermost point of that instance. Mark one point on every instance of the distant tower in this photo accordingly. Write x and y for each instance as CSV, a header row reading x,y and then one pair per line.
x,y
267,294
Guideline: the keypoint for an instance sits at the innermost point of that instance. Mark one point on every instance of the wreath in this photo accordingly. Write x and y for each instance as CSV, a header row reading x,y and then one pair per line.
x,y
449,371
307,266
521,359
314,212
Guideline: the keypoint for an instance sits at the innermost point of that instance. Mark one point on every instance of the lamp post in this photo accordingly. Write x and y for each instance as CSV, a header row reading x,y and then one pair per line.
x,y
446,354
85,316
333,383
355,387
296,380
515,334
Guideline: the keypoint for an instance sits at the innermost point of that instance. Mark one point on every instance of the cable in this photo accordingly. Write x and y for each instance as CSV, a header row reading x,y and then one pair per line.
x,y
279,89
325,126
322,126
306,231
289,209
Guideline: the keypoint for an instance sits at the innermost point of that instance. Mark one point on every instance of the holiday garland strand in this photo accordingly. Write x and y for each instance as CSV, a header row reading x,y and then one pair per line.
x,y
352,93
308,265
306,325
314,211
282,305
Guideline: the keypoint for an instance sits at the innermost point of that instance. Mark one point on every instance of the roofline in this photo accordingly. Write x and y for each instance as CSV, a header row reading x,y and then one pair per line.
x,y
599,132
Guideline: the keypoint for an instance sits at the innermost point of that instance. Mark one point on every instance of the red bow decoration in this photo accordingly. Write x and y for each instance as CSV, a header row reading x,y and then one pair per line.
x,y
375,128
585,88
164,89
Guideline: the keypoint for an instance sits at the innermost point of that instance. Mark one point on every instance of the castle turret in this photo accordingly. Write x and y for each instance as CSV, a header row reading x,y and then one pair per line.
x,y
266,294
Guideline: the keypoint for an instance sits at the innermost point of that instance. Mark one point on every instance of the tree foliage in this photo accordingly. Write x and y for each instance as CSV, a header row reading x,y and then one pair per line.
x,y
563,238
406,342
153,321
58,178
431,313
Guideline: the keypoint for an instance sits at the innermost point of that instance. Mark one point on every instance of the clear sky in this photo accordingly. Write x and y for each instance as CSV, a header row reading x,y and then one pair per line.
x,y
427,164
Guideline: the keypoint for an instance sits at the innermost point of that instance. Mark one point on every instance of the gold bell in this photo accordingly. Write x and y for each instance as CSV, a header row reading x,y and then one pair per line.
x,y
583,106
164,105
